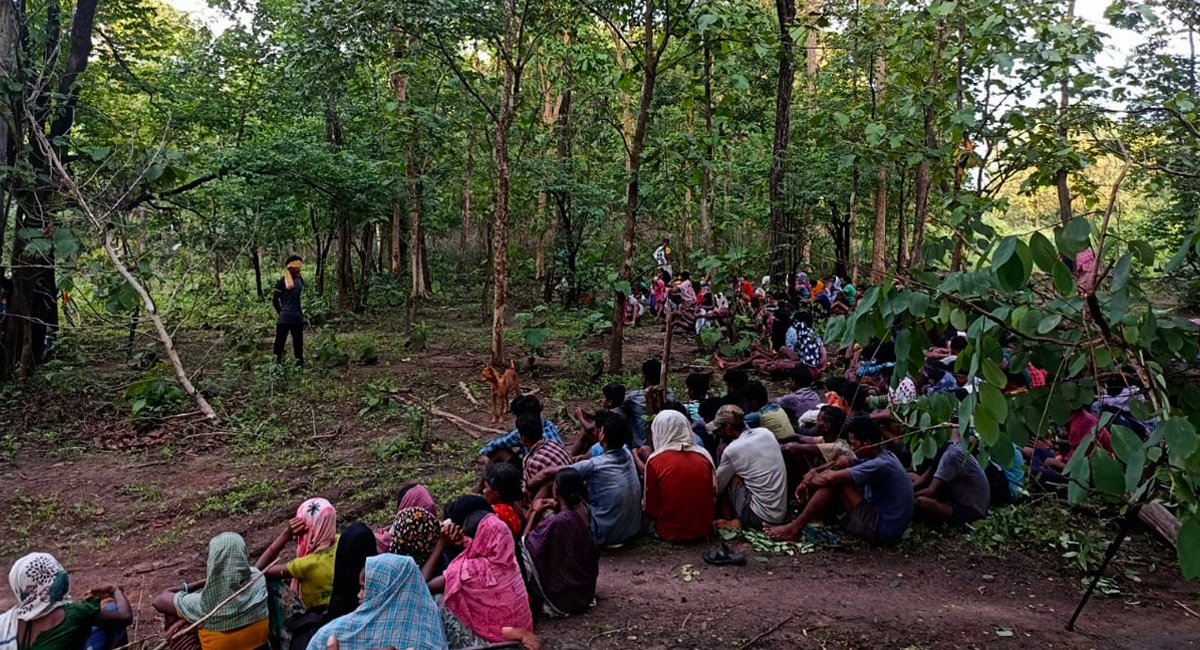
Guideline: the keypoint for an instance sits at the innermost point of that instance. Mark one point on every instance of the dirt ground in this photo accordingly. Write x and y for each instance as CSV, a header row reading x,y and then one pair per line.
x,y
122,505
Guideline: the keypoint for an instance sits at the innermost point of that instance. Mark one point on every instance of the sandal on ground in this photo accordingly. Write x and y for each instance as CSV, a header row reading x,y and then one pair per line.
x,y
722,556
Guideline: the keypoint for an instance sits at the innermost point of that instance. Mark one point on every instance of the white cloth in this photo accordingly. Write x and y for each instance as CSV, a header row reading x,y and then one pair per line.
x,y
40,585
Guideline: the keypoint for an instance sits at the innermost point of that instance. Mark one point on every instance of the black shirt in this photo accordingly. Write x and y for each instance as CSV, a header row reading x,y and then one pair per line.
x,y
289,301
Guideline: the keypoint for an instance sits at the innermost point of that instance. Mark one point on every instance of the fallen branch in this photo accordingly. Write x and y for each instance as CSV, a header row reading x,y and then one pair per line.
x,y
467,391
768,632
471,428
105,238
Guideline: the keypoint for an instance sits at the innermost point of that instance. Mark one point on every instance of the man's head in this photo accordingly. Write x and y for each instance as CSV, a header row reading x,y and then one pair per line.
x,y
800,377
651,373
685,276
735,382
502,484
709,408
803,317
614,396
569,487
729,422
698,384
526,404
529,428
958,344
615,433
756,395
831,420
864,436
666,242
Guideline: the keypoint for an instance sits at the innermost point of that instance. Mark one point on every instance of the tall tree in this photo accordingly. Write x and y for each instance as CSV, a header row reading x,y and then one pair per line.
x,y
785,12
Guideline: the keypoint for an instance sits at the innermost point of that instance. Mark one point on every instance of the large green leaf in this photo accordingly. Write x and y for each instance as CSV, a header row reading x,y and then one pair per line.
x,y
993,401
1181,440
1044,254
1188,548
1075,236
1121,273
1064,282
1079,471
1107,473
1048,323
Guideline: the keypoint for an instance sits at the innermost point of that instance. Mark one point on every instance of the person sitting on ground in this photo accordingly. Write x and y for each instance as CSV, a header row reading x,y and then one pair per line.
x,y
752,477
954,488
614,490
562,561
397,611
356,544
948,356
802,397
824,443
239,623
840,305
735,388
44,616
1082,424
543,453
415,532
410,495
803,340
779,363
698,385
315,530
936,379
680,481
635,407
766,413
484,590
502,489
502,449
874,491
905,391
612,397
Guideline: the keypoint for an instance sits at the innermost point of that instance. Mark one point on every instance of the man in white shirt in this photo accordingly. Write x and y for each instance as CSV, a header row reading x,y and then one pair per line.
x,y
752,476
660,256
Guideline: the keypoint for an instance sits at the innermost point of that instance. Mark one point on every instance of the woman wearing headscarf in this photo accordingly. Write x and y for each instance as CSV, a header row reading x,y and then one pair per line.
x,y
315,531
45,617
562,560
483,585
396,611
239,623
680,480
355,547
286,301
414,533
408,496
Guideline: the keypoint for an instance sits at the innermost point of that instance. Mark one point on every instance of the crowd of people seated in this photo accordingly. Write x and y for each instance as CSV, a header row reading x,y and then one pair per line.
x,y
827,452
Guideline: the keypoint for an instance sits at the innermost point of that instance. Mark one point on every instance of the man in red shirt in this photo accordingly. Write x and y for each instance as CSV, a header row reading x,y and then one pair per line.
x,y
680,480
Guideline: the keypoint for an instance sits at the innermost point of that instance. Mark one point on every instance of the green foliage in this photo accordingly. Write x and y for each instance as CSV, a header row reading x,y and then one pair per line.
x,y
328,349
412,444
156,394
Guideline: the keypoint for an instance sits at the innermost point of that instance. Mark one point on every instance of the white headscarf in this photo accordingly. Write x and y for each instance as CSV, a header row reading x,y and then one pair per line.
x,y
40,585
671,431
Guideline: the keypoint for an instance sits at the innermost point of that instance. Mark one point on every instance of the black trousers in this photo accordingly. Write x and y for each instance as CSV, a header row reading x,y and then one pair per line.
x,y
281,335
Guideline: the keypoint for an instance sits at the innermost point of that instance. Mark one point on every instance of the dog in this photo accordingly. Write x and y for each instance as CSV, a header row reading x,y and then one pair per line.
x,y
501,385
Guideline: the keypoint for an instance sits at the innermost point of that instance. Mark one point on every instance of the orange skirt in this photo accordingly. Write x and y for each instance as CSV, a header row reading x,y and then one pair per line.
x,y
247,638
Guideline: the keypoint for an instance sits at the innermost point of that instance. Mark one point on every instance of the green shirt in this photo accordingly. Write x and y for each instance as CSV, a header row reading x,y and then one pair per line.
x,y
73,632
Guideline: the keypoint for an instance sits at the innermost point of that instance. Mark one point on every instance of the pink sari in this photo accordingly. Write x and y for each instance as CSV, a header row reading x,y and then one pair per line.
x,y
416,497
320,521
484,587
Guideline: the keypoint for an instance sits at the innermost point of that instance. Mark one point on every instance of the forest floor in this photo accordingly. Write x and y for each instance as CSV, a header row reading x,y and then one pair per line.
x,y
135,500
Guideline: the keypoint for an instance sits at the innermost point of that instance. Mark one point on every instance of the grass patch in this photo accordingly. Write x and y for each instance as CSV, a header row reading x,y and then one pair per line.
x,y
246,498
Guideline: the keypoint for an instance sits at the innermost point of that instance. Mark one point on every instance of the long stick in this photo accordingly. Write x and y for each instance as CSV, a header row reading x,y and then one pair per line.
x,y
666,360
261,574
163,336
1108,556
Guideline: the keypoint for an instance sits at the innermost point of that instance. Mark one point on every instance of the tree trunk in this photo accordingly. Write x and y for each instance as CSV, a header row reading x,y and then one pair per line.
x,y
505,114
879,242
345,265
561,214
416,239
256,261
915,256
901,251
394,253
1061,180
706,174
366,253
634,165
785,11
468,167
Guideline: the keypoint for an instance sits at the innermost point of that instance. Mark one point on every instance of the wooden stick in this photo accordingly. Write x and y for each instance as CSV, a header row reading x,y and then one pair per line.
x,y
469,427
768,632
666,360
261,574
1187,609
467,391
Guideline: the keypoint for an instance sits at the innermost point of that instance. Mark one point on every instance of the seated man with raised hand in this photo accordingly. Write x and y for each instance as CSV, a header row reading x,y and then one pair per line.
x,y
954,488
505,448
542,453
873,490
751,477
766,413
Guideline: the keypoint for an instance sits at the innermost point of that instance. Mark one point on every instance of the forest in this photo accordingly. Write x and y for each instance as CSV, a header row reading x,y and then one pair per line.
x,y
505,182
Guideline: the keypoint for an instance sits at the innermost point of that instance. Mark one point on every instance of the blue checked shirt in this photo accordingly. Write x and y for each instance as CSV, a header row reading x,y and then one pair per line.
x,y
513,439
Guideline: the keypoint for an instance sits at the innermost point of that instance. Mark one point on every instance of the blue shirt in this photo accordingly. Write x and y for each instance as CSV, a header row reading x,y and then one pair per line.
x,y
887,487
614,496
513,439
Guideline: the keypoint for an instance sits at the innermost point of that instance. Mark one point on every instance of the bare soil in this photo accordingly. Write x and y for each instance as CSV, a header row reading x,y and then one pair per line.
x,y
137,505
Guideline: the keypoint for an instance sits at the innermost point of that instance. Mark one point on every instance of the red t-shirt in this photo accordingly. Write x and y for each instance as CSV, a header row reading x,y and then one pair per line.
x,y
1079,426
680,495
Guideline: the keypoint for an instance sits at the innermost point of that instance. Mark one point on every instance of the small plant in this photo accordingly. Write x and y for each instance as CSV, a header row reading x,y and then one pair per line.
x,y
709,338
9,446
411,444
155,395
1080,549
328,349
533,330
418,341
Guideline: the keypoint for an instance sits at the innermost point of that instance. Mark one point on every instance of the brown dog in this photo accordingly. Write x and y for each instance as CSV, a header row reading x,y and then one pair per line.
x,y
502,385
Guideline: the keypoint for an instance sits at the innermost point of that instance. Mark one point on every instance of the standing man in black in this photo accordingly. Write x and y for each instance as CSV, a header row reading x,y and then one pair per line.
x,y
286,300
